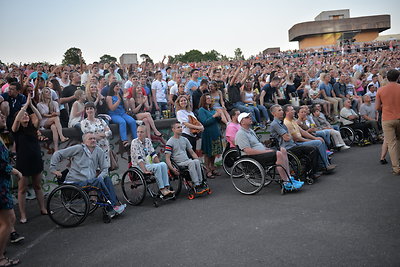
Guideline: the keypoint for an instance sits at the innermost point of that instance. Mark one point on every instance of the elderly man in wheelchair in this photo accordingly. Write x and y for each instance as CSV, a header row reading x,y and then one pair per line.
x,y
177,149
248,143
87,160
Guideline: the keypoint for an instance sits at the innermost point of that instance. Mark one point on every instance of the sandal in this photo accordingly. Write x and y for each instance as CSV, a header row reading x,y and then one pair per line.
x,y
216,173
158,135
9,262
210,175
125,143
65,140
41,137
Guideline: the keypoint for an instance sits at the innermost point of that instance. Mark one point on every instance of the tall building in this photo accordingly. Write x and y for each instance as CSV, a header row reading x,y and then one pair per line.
x,y
336,27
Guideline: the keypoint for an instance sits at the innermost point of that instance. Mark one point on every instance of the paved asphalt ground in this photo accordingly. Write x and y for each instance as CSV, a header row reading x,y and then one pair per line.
x,y
349,218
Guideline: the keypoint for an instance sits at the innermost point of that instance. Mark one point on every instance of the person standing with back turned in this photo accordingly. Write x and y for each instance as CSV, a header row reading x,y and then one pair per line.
x,y
388,100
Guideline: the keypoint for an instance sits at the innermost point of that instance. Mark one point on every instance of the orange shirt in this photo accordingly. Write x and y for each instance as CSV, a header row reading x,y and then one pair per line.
x,y
388,97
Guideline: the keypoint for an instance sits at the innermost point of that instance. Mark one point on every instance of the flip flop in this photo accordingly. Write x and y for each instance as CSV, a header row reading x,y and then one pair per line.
x,y
9,262
65,140
210,175
216,173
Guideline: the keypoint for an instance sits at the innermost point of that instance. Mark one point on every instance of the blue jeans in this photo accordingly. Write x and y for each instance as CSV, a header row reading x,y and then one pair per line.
x,y
122,120
264,112
160,172
321,149
104,184
163,106
242,108
326,135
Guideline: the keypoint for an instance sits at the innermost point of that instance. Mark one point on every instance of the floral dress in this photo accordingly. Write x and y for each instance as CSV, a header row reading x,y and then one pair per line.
x,y
98,126
6,201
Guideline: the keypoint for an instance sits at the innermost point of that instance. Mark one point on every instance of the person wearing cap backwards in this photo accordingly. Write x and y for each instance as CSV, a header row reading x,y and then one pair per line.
x,y
247,141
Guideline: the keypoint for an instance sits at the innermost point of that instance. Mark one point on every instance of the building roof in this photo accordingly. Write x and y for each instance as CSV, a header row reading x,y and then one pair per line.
x,y
368,23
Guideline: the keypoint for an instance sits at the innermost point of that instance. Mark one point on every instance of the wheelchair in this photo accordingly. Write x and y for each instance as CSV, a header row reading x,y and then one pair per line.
x,y
69,205
229,156
351,136
135,184
185,179
300,168
248,176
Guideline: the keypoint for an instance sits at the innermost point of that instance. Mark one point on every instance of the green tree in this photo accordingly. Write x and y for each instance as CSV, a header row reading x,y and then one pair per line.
x,y
72,55
238,54
107,59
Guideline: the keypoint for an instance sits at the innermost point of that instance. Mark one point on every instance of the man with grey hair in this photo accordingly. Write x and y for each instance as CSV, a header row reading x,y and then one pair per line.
x,y
86,159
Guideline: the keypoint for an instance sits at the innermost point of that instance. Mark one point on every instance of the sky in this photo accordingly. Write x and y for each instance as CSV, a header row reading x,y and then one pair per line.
x,y
42,30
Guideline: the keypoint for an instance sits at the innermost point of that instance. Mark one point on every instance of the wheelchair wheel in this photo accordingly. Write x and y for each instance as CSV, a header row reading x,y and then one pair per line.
x,y
358,136
228,159
175,181
248,176
348,135
68,205
133,186
296,168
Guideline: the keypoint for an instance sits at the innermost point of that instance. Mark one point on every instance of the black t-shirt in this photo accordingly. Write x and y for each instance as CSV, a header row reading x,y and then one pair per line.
x,y
297,81
234,93
70,91
269,92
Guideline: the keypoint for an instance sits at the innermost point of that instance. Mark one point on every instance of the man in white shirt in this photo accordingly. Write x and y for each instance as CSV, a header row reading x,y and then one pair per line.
x,y
159,90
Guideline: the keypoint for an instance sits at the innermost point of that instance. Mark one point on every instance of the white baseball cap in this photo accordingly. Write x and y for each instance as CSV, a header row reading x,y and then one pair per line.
x,y
242,116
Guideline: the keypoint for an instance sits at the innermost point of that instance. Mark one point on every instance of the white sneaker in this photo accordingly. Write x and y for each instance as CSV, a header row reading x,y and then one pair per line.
x,y
344,147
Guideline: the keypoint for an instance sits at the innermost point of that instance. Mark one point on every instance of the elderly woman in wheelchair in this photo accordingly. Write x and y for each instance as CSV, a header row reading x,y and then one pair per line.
x,y
144,157
82,179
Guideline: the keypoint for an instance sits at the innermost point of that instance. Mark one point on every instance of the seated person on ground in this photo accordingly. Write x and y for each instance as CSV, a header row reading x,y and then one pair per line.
x,y
86,159
177,148
247,141
144,157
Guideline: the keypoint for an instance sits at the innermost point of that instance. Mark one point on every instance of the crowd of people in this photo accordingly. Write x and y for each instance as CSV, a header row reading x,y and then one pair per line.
x,y
303,100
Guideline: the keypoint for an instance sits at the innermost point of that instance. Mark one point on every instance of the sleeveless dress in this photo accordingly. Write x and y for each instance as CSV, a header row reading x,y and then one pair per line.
x,y
29,155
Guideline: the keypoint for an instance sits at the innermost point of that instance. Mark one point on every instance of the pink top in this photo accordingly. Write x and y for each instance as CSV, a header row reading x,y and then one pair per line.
x,y
231,131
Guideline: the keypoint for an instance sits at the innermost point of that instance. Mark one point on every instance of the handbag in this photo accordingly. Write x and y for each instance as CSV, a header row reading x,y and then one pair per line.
x,y
194,121
113,161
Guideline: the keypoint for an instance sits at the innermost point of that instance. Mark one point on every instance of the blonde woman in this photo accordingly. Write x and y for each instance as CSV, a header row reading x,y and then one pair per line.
x,y
190,125
77,110
50,112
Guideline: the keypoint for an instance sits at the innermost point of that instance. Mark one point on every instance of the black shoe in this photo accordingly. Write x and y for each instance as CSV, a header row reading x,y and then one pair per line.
x,y
383,161
15,237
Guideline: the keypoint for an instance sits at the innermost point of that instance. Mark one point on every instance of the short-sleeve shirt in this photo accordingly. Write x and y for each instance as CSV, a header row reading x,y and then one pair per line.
x,y
177,147
278,129
70,91
161,90
234,93
269,92
368,110
14,103
293,128
248,139
190,85
183,116
230,133
344,114
327,88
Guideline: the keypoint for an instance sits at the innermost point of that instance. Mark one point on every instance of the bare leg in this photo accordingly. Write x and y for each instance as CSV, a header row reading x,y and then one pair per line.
x,y
37,186
55,136
147,115
228,118
59,128
22,183
148,130
211,162
281,159
7,220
